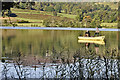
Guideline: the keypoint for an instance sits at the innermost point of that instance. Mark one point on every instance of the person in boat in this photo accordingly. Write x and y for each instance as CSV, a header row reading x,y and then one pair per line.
x,y
87,33
97,32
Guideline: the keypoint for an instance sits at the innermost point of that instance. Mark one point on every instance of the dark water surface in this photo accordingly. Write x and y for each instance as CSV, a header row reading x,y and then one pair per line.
x,y
58,54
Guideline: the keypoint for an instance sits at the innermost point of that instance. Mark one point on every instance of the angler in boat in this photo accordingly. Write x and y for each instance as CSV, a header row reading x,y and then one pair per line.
x,y
87,34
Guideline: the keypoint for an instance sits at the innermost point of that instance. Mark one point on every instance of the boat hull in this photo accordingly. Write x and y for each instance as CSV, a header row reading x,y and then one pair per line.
x,y
90,41
100,38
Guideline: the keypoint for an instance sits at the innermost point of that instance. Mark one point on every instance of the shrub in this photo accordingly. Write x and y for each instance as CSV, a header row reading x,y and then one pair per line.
x,y
5,21
22,21
15,25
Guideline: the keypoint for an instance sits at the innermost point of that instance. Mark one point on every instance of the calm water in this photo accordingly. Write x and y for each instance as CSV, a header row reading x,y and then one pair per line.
x,y
58,54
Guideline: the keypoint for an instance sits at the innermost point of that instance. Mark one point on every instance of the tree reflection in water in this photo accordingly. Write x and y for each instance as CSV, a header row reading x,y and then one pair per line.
x,y
58,66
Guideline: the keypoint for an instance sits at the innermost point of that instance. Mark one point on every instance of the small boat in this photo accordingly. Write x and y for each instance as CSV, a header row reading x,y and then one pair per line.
x,y
99,38
90,41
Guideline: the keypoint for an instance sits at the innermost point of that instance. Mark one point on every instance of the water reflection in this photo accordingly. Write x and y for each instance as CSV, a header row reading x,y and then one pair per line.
x,y
58,54
90,66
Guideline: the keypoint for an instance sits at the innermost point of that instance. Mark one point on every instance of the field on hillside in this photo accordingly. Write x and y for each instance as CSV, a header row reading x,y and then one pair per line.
x,y
34,18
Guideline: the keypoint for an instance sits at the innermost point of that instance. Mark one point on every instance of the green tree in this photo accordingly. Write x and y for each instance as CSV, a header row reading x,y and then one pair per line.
x,y
65,11
46,23
50,9
22,5
29,6
79,18
84,11
106,7
87,20
93,23
58,8
6,6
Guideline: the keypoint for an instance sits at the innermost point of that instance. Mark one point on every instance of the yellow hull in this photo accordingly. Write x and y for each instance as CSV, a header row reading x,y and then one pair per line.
x,y
90,41
100,38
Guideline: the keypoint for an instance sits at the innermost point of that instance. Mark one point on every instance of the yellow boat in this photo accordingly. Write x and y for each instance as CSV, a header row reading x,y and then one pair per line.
x,y
100,38
90,41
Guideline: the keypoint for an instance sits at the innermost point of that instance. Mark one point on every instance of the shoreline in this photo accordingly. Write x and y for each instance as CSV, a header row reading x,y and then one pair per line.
x,y
59,28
